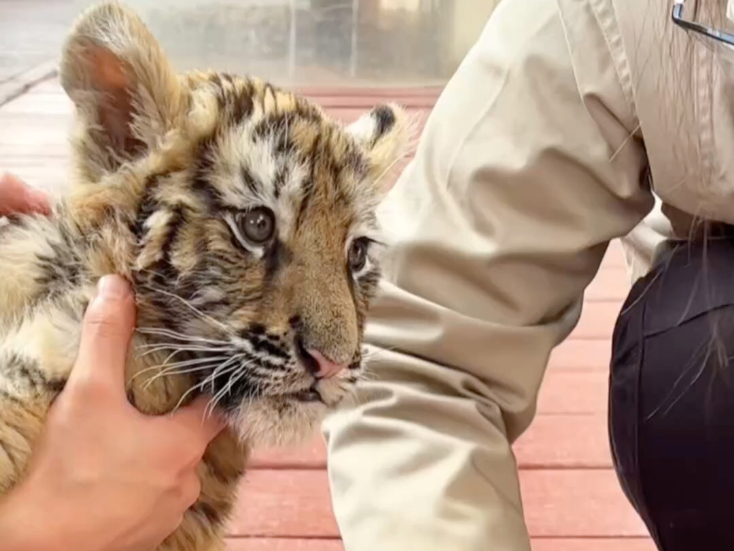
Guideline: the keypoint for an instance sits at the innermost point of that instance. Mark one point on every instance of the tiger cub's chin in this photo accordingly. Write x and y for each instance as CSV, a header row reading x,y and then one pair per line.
x,y
288,420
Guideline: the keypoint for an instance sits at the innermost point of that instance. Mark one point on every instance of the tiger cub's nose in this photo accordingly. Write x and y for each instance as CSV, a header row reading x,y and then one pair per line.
x,y
326,367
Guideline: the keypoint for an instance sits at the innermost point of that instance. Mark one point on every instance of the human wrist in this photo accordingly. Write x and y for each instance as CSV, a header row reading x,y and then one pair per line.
x,y
26,523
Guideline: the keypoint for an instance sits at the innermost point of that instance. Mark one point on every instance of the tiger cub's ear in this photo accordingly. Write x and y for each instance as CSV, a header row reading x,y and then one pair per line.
x,y
383,133
126,92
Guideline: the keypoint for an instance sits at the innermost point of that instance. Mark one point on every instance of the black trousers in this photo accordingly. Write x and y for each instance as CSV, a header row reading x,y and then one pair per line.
x,y
671,398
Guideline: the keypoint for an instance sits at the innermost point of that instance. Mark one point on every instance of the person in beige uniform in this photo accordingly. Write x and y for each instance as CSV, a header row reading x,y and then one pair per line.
x,y
570,123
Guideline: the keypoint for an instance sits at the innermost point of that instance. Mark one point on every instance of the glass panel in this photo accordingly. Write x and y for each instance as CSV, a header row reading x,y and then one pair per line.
x,y
319,42
31,33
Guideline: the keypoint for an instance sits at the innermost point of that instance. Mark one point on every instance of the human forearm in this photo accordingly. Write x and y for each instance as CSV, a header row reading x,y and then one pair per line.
x,y
499,225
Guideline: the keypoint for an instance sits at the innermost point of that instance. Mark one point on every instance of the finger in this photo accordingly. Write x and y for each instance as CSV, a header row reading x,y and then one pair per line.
x,y
198,417
109,323
18,198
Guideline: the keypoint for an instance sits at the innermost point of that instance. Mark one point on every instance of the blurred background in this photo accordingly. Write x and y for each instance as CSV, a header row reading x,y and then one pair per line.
x,y
375,43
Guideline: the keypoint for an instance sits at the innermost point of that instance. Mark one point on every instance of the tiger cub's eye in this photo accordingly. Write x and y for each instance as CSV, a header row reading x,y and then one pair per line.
x,y
257,225
357,255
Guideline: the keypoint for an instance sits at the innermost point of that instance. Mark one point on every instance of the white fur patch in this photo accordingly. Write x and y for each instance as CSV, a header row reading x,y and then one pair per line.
x,y
363,128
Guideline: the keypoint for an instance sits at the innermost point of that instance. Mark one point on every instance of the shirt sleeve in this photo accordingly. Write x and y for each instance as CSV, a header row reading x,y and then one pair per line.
x,y
528,166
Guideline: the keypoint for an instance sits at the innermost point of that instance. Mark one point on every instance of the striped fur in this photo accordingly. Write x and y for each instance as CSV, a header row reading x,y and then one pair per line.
x,y
167,167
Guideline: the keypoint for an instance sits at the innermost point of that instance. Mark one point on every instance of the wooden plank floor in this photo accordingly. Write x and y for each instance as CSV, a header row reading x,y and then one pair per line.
x,y
572,498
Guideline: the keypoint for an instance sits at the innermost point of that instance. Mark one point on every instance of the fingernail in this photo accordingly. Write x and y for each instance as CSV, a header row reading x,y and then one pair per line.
x,y
38,195
113,287
40,200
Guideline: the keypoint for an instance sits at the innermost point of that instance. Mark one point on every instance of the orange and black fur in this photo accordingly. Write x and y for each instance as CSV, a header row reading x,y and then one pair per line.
x,y
245,219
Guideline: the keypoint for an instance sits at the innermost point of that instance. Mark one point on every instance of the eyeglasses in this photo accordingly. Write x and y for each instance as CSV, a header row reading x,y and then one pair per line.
x,y
713,38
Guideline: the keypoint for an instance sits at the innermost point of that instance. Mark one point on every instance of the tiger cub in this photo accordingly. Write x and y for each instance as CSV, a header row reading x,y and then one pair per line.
x,y
245,219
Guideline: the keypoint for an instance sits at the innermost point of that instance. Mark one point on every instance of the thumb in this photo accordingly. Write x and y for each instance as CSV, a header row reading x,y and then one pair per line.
x,y
197,418
108,326
17,197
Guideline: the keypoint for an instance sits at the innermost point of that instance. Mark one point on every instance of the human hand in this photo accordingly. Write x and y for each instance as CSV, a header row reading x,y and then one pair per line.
x,y
17,197
105,477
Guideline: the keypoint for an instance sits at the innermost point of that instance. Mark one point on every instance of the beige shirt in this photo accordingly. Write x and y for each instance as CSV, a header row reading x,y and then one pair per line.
x,y
548,143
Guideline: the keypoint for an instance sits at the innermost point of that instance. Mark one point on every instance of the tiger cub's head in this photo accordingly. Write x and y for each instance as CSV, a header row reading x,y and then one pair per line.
x,y
252,216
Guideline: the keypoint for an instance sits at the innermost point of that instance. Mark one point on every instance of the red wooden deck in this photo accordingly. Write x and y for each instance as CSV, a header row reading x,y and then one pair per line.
x,y
572,499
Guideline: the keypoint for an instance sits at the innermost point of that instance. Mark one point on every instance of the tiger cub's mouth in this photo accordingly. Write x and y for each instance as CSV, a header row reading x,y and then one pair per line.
x,y
289,405
267,384
241,378
306,396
